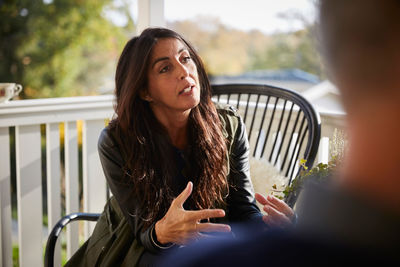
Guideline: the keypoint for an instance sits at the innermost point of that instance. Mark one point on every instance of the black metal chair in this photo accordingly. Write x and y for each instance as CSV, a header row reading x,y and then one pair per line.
x,y
56,231
282,127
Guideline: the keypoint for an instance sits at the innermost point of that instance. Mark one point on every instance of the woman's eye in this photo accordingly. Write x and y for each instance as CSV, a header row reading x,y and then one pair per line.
x,y
186,59
164,69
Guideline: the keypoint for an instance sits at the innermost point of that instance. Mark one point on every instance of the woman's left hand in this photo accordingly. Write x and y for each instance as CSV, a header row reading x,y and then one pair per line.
x,y
279,214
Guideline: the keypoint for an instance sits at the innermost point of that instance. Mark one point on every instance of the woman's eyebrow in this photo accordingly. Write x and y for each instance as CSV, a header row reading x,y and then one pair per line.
x,y
166,58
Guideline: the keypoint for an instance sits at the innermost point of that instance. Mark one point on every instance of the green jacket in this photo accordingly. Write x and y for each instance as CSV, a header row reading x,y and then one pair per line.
x,y
111,244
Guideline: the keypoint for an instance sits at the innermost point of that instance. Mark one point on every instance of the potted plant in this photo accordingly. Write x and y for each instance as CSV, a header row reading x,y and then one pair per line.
x,y
318,173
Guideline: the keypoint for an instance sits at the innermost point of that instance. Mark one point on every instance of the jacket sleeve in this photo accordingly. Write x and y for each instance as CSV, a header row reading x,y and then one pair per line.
x,y
241,201
121,187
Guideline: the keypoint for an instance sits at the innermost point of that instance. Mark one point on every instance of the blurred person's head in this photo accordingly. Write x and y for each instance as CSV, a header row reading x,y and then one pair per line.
x,y
360,42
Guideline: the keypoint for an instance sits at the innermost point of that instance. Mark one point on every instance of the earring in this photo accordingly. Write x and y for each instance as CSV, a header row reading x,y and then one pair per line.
x,y
145,96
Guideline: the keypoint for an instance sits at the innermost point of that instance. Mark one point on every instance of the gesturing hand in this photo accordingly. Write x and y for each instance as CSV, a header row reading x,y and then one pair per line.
x,y
181,226
279,214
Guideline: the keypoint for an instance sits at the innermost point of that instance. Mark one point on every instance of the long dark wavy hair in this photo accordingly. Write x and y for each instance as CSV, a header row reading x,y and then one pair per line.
x,y
150,165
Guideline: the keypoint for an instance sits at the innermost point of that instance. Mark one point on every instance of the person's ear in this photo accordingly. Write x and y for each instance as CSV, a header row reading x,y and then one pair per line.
x,y
144,94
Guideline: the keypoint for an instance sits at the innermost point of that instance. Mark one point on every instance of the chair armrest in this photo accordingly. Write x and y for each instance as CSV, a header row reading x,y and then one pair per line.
x,y
55,232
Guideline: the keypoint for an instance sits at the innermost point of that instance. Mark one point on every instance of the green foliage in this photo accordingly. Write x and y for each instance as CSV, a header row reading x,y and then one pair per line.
x,y
15,255
57,48
318,173
321,172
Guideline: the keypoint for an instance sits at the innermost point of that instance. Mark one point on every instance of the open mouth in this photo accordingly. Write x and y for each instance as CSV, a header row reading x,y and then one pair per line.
x,y
186,90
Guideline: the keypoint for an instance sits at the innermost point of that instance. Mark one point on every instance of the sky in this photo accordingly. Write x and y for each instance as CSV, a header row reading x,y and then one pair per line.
x,y
244,14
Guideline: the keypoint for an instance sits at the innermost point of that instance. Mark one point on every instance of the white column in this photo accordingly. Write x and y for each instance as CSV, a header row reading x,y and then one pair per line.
x,y
150,14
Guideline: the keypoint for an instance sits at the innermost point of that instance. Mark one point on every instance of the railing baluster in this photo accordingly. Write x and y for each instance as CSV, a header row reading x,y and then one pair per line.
x,y
29,195
5,200
53,181
323,155
71,183
94,182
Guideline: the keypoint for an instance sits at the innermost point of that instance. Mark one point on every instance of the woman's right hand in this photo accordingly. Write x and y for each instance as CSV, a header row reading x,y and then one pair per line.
x,y
181,226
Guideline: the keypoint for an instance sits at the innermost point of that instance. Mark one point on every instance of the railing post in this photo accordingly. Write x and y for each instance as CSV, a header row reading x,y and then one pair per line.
x,y
53,167
323,153
29,195
94,182
71,183
5,200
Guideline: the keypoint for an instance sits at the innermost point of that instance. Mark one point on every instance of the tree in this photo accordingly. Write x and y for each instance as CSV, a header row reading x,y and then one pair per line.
x,y
223,49
57,47
294,49
291,50
228,51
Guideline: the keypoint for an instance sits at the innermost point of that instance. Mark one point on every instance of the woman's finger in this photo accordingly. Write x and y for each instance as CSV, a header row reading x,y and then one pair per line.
x,y
280,205
271,211
270,221
261,199
276,203
183,196
198,215
213,227
275,217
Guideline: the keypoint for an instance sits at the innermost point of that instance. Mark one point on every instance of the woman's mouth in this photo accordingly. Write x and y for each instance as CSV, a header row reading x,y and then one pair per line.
x,y
186,90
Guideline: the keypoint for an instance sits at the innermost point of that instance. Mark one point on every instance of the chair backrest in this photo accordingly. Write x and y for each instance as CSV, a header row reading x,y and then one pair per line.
x,y
282,126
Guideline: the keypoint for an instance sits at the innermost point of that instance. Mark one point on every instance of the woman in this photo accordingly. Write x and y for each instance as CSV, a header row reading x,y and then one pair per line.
x,y
176,164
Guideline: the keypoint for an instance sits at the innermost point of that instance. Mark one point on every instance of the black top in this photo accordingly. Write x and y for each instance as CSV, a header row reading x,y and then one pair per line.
x,y
241,204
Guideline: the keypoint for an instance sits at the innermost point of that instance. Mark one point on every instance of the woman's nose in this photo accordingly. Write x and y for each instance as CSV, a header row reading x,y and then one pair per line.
x,y
183,71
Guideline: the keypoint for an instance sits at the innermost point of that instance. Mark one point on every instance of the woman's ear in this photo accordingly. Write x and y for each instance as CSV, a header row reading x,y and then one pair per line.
x,y
145,95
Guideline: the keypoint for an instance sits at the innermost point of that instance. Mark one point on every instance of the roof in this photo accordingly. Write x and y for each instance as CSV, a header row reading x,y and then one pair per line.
x,y
282,74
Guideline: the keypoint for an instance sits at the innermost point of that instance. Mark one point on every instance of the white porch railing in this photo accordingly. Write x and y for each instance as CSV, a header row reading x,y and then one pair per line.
x,y
26,117
25,123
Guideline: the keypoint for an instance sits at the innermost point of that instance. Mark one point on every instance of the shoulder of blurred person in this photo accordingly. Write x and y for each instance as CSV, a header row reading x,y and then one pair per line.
x,y
335,229
349,219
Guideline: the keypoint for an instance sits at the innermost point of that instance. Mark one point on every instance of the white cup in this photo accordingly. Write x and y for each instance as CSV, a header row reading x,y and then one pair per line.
x,y
8,91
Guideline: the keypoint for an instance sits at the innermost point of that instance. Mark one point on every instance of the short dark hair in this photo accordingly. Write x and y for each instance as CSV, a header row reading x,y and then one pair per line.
x,y
360,39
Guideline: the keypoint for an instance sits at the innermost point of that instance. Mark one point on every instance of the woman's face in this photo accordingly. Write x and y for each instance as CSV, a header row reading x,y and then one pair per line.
x,y
173,83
